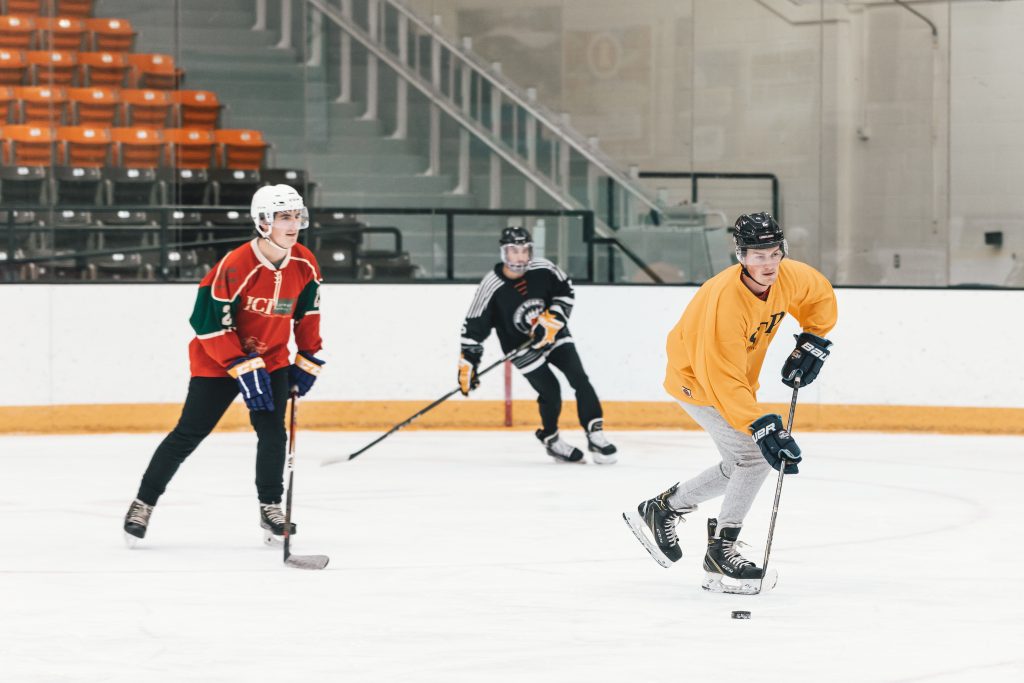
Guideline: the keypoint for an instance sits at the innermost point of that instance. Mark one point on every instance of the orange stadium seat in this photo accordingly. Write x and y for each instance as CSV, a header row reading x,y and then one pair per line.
x,y
28,145
103,68
52,67
59,33
29,7
42,105
191,147
6,98
197,108
83,146
74,8
146,108
242,149
93,106
110,34
13,66
154,70
16,32
138,147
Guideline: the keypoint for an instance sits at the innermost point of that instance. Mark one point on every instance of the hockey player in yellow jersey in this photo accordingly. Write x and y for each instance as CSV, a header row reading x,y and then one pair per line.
x,y
715,353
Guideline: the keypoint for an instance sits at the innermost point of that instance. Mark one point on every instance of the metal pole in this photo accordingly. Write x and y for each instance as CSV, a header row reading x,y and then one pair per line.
x,y
285,43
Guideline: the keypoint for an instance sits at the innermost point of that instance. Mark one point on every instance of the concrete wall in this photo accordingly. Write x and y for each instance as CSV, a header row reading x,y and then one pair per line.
x,y
896,148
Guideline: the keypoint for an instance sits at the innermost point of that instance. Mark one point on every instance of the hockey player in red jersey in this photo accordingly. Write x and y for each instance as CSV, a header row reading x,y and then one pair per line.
x,y
244,315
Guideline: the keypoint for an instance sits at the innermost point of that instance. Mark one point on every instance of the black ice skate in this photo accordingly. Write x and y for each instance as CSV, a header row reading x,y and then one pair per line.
x,y
654,525
136,521
558,449
726,570
598,444
272,523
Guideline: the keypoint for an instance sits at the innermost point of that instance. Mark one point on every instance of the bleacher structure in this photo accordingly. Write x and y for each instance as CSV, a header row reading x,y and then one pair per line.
x,y
99,136
174,109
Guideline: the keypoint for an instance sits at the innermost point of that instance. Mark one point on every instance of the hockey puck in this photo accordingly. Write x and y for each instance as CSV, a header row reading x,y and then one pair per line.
x,y
741,614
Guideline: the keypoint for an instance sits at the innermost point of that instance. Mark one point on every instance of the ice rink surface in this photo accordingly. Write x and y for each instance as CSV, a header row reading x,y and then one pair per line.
x,y
469,556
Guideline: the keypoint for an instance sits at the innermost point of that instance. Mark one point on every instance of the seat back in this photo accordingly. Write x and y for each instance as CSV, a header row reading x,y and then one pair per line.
x,y
111,34
191,147
13,65
28,145
59,33
196,108
241,148
154,70
103,68
30,7
74,8
6,98
42,105
145,107
138,147
83,146
52,67
93,106
17,33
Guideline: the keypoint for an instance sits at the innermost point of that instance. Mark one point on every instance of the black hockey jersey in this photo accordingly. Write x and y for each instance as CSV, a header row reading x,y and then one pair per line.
x,y
510,307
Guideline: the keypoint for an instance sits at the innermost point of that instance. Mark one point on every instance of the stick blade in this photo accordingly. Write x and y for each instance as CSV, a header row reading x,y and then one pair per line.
x,y
307,561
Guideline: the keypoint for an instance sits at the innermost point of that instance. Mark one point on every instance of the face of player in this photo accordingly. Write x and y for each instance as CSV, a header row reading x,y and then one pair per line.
x,y
516,257
285,230
763,265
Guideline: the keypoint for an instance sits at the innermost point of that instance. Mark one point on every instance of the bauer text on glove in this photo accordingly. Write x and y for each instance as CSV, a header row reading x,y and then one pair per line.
x,y
807,358
776,444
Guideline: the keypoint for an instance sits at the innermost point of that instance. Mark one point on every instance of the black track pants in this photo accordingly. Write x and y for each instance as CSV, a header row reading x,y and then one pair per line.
x,y
207,401
549,393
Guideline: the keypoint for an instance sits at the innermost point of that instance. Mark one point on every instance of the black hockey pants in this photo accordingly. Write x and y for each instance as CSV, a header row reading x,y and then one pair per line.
x,y
549,393
207,401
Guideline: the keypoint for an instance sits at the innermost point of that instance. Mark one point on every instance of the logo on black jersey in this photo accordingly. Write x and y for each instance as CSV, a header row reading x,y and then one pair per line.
x,y
526,315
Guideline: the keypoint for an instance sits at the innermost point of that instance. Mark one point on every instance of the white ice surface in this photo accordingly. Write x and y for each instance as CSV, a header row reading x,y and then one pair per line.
x,y
468,556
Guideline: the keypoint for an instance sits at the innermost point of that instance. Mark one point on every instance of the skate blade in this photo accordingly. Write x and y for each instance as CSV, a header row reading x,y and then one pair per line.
x,y
131,541
637,526
307,561
270,539
601,459
716,583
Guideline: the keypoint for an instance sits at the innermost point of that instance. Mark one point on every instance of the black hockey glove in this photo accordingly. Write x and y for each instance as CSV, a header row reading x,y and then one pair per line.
x,y
776,445
469,361
807,358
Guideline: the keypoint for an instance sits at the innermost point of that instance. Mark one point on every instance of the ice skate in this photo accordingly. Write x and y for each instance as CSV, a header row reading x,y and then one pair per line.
x,y
559,449
272,523
136,522
597,443
654,525
726,570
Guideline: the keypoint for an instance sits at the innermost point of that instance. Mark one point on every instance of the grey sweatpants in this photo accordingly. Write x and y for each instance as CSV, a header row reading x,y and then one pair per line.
x,y
739,476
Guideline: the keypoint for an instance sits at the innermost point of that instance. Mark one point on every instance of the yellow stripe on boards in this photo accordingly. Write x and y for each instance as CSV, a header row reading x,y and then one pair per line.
x,y
473,414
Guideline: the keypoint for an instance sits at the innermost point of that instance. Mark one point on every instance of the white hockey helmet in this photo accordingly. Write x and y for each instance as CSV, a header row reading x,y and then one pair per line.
x,y
270,199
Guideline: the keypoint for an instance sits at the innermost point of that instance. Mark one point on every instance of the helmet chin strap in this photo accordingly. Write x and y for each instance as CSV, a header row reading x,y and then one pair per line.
x,y
266,236
747,273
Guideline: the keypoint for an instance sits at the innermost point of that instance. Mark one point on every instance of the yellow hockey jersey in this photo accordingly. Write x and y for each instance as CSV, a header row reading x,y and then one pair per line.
x,y
716,350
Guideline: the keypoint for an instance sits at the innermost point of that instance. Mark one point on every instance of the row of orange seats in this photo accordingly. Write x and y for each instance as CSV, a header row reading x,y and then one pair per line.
x,y
96,106
70,8
66,33
86,146
114,69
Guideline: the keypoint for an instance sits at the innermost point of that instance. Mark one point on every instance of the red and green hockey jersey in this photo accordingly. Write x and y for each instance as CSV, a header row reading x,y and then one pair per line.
x,y
247,305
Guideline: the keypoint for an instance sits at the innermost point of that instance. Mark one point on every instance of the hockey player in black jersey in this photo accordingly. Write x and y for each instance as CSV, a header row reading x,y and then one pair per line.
x,y
526,299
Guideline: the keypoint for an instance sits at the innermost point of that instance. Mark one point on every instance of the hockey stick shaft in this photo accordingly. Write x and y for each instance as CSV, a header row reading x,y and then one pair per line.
x,y
297,561
778,485
411,418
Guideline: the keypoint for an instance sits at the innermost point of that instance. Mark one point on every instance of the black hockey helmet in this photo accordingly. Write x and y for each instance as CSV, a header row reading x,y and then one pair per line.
x,y
515,235
758,231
